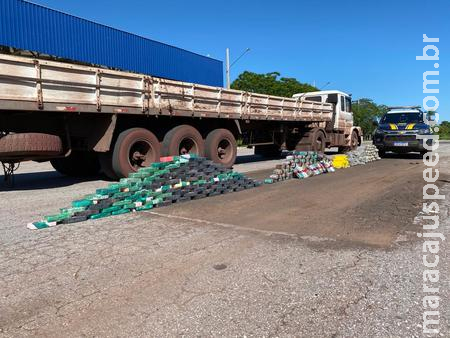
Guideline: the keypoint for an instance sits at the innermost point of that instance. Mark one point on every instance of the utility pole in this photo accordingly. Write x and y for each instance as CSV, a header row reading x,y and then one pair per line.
x,y
228,67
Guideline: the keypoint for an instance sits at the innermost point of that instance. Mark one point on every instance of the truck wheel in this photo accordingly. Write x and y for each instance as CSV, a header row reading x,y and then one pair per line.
x,y
354,141
77,164
29,146
221,147
182,140
269,150
318,142
135,148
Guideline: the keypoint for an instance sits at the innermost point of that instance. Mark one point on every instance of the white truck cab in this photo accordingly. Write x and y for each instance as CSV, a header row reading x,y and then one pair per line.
x,y
342,101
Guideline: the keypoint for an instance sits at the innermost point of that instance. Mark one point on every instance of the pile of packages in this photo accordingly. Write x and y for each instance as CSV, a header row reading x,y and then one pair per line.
x,y
340,161
174,179
301,165
369,154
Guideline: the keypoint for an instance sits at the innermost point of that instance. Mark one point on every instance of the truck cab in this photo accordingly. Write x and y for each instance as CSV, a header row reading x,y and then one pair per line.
x,y
341,132
342,101
398,129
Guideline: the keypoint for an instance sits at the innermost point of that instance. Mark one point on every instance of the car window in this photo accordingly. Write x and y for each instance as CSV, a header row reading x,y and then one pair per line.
x,y
342,104
348,104
314,98
402,118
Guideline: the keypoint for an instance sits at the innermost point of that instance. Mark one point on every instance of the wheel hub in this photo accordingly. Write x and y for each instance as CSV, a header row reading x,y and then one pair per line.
x,y
224,151
140,154
188,146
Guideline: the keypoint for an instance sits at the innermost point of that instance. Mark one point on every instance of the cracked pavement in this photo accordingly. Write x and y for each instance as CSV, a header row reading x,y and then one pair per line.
x,y
206,269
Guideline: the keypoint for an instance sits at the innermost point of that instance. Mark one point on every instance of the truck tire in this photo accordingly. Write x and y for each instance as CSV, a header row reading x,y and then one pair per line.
x,y
318,142
77,164
354,142
221,147
268,150
135,148
181,140
29,146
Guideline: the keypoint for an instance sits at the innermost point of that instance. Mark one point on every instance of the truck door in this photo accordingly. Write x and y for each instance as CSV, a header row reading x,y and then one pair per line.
x,y
345,111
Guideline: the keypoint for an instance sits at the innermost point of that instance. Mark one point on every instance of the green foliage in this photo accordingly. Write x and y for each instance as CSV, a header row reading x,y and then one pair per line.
x,y
364,113
270,84
444,130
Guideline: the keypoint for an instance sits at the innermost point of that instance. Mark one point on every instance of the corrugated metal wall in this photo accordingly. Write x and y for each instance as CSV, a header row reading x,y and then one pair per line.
x,y
28,26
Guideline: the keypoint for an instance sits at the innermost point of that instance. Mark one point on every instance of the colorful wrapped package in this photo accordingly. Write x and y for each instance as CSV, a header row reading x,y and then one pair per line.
x,y
340,161
301,164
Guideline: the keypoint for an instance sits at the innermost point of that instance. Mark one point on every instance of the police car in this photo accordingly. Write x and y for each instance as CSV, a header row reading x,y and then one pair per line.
x,y
399,131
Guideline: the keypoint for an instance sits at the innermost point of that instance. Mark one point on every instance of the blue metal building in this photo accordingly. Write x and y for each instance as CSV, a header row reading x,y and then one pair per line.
x,y
27,26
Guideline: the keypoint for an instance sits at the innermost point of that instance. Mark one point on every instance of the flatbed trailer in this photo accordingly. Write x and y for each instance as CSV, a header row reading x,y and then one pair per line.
x,y
88,119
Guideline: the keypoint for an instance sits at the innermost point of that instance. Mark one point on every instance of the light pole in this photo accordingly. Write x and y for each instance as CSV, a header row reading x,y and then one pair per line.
x,y
228,66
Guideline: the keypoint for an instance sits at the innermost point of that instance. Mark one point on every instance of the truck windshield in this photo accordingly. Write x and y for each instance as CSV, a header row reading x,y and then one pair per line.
x,y
402,118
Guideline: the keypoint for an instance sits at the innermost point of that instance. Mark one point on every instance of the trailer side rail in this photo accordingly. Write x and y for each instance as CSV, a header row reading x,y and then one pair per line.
x,y
34,84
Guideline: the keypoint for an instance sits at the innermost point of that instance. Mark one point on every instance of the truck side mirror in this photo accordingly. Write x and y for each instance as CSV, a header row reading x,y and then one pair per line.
x,y
376,121
332,98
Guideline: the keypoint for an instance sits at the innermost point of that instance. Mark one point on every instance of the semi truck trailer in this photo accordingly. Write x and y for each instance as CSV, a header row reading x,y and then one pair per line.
x,y
86,119
90,98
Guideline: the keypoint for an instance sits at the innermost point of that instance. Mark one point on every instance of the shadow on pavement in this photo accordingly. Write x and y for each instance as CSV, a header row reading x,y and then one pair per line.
x,y
407,156
241,159
43,180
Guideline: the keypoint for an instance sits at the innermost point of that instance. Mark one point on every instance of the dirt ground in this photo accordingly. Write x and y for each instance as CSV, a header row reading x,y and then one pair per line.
x,y
331,256
361,205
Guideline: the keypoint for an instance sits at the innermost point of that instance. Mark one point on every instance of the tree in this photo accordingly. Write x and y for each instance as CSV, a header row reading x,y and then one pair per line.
x,y
444,130
364,112
270,84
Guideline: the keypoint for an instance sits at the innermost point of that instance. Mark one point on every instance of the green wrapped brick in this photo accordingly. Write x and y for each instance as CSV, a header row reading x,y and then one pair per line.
x,y
164,188
145,207
222,177
162,172
100,215
131,205
112,209
122,203
82,203
71,211
157,200
160,165
105,191
129,181
173,166
57,218
149,179
147,170
115,186
122,195
135,187
120,212
37,225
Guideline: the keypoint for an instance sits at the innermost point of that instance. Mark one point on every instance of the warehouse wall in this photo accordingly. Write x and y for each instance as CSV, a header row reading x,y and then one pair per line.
x,y
28,26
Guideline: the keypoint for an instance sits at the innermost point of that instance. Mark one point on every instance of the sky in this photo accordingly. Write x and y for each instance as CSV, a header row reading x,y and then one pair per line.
x,y
366,48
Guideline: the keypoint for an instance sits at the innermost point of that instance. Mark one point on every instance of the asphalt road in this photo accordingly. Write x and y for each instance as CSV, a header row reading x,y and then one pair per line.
x,y
332,256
